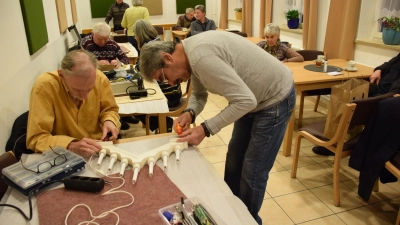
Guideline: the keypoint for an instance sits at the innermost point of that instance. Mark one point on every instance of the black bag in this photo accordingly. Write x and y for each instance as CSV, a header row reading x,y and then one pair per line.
x,y
172,93
17,140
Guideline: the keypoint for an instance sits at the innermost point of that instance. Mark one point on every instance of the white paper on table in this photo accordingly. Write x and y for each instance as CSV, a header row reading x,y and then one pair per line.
x,y
334,73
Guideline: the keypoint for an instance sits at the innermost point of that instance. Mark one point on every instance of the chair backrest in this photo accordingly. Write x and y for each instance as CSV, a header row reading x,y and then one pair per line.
x,y
119,32
6,159
160,31
309,55
365,108
243,34
121,38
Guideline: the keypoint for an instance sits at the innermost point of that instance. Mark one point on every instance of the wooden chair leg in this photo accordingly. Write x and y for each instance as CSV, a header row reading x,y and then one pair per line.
x,y
398,218
147,124
336,180
316,103
301,108
296,154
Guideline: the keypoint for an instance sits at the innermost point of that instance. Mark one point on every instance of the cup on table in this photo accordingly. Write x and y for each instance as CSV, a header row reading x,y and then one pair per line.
x,y
351,65
320,60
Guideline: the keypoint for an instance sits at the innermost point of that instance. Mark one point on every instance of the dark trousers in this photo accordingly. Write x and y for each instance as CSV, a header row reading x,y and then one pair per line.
x,y
118,27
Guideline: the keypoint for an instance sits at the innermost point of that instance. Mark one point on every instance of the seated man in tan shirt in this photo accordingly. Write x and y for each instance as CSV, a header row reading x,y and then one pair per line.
x,y
73,107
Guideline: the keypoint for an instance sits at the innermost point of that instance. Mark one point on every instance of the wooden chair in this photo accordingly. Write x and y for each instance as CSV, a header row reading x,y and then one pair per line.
x,y
356,113
160,31
174,112
121,38
6,159
310,55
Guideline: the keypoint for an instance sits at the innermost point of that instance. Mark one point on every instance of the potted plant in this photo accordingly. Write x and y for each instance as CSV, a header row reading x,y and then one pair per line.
x,y
390,28
292,17
238,13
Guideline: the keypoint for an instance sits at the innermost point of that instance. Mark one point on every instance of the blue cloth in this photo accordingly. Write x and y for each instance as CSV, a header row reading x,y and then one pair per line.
x,y
252,150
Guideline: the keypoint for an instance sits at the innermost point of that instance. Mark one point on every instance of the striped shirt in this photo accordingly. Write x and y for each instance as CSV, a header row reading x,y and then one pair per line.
x,y
116,12
110,51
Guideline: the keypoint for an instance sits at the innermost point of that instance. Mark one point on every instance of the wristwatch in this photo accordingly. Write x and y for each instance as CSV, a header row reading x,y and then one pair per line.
x,y
192,114
206,131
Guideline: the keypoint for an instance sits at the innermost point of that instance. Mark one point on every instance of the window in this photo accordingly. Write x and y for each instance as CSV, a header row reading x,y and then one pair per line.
x,y
290,5
383,8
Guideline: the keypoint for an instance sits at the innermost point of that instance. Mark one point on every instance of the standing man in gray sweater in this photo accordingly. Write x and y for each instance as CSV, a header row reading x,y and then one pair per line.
x,y
261,98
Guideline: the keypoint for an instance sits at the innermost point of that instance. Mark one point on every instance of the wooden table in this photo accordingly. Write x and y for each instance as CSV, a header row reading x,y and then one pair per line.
x,y
180,34
131,53
308,80
194,176
255,40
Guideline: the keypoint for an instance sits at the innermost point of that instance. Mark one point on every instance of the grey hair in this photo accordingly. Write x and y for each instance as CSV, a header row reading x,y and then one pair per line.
x,y
79,57
201,7
102,29
137,2
272,29
189,10
152,59
144,32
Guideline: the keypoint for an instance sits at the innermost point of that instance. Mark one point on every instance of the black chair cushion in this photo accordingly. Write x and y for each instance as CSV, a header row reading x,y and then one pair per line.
x,y
317,130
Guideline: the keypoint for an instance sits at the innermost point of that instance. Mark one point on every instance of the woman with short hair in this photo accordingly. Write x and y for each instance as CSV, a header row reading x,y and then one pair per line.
x,y
273,45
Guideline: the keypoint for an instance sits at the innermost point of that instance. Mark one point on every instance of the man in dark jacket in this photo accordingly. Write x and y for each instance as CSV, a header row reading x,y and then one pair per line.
x,y
202,23
385,78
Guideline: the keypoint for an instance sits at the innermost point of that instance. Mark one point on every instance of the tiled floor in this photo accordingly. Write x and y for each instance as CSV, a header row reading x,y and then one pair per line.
x,y
308,199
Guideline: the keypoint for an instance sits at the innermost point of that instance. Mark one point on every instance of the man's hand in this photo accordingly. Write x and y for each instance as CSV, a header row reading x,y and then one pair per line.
x,y
114,63
184,121
85,147
193,136
375,77
109,126
104,62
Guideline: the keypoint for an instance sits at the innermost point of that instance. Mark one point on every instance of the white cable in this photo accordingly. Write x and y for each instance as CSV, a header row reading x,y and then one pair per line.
x,y
109,192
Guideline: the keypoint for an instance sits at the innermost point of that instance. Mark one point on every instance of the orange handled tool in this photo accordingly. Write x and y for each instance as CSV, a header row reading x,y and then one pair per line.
x,y
179,129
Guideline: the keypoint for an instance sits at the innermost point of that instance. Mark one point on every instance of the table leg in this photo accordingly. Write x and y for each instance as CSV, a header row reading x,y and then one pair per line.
x,y
287,140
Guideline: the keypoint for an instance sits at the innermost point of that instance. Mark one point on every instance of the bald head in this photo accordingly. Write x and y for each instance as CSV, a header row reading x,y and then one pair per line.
x,y
78,62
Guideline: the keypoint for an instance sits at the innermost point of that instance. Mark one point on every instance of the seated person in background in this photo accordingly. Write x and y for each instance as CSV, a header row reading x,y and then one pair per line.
x,y
385,79
72,107
105,49
273,45
184,21
202,23
116,12
146,33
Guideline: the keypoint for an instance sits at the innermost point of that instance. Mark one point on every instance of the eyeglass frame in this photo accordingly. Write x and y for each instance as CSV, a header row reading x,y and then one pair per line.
x,y
52,165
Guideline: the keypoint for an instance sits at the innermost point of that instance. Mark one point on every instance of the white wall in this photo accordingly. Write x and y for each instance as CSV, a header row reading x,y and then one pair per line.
x,y
20,69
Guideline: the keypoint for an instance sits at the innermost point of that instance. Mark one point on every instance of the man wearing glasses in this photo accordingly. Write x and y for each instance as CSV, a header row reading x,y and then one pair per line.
x,y
261,97
73,107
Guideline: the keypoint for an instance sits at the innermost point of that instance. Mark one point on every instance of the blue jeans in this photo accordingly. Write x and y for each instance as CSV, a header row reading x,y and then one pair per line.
x,y
255,142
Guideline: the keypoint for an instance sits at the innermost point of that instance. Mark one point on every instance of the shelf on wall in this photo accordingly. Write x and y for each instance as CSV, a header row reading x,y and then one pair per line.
x,y
286,29
236,21
377,43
